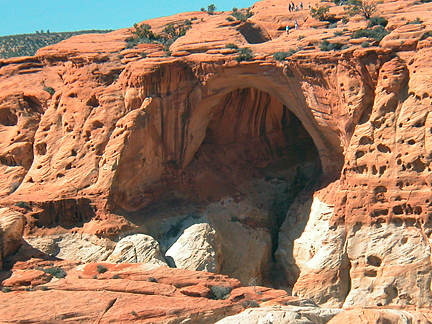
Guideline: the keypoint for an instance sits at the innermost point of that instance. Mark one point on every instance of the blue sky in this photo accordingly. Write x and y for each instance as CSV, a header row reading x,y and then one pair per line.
x,y
27,16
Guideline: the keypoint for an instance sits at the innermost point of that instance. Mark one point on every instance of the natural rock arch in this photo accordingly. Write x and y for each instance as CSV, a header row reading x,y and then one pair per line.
x,y
276,85
163,135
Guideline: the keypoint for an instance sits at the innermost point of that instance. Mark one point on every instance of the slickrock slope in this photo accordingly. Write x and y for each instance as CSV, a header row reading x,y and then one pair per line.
x,y
124,293
310,174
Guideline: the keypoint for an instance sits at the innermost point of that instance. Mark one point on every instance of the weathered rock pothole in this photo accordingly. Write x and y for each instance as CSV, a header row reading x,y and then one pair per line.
x,y
254,33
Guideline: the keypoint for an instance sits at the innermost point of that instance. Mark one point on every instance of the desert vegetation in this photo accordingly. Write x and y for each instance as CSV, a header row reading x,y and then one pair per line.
x,y
28,44
245,54
280,56
144,34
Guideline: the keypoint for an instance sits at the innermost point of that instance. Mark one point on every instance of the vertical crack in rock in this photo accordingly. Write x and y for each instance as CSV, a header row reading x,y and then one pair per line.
x,y
109,306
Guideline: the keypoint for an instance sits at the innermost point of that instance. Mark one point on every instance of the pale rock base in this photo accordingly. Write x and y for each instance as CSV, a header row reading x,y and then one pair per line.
x,y
390,265
196,249
137,248
282,315
81,247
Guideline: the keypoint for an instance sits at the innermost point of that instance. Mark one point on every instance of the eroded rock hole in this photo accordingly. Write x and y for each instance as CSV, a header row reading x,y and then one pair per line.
x,y
7,117
257,152
253,33
383,148
373,260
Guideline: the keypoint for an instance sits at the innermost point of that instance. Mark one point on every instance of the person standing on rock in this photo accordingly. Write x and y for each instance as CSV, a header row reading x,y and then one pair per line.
x,y
287,29
296,24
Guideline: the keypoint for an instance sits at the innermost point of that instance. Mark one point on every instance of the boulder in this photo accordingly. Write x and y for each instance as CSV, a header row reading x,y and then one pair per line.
x,y
137,248
196,249
11,230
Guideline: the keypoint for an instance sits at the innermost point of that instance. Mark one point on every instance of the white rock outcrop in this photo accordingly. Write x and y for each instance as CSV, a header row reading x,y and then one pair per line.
x,y
310,251
246,250
390,265
196,249
82,247
137,248
282,315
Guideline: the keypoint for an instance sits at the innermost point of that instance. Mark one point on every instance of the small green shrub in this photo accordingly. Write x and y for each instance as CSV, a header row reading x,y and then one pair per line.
x,y
101,269
426,35
133,313
95,276
231,45
327,46
220,292
235,219
320,12
376,21
23,204
44,288
6,289
229,18
211,9
338,33
377,33
366,8
167,37
245,54
415,21
116,276
239,15
203,9
50,90
57,272
365,44
333,25
250,304
151,279
300,37
280,56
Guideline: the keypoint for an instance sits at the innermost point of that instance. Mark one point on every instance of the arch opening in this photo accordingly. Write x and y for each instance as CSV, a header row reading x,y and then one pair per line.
x,y
256,153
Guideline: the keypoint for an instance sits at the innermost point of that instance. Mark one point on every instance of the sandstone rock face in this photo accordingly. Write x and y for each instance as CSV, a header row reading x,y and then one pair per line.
x,y
83,247
245,250
196,249
283,315
11,230
137,248
122,293
314,172
382,316
313,250
395,271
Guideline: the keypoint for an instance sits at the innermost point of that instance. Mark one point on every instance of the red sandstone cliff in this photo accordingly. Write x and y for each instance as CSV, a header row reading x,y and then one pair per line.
x,y
310,174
